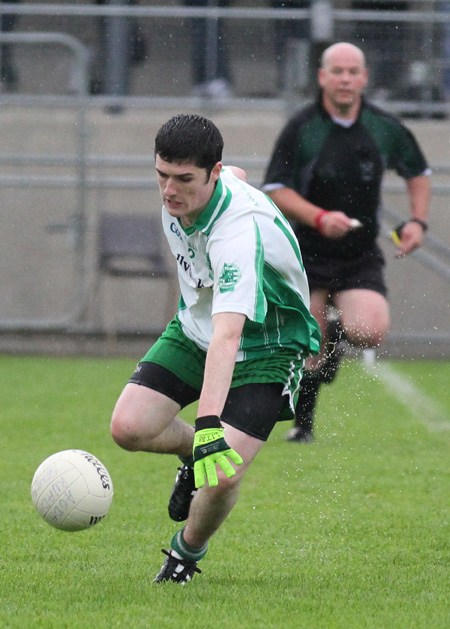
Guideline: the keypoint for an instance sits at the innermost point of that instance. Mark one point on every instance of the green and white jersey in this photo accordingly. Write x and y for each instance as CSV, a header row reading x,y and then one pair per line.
x,y
242,256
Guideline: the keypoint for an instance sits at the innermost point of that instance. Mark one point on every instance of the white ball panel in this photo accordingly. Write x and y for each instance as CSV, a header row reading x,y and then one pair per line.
x,y
72,490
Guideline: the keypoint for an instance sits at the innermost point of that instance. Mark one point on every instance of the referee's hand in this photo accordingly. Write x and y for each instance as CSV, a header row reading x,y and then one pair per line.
x,y
336,225
411,238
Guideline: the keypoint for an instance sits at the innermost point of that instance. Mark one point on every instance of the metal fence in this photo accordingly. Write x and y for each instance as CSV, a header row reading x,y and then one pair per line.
x,y
68,153
408,48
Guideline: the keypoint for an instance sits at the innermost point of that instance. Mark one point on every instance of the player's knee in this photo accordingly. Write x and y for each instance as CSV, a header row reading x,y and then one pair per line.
x,y
123,431
129,431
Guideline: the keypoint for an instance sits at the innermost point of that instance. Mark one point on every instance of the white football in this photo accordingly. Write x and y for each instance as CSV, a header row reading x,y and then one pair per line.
x,y
72,490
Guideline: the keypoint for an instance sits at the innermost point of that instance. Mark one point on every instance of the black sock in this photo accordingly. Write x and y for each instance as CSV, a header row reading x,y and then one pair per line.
x,y
304,411
334,351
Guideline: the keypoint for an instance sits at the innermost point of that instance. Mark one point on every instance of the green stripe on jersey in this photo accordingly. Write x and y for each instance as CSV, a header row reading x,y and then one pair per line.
x,y
260,300
294,242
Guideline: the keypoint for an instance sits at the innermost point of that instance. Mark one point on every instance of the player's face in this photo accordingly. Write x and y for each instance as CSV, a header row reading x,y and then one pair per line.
x,y
185,188
343,78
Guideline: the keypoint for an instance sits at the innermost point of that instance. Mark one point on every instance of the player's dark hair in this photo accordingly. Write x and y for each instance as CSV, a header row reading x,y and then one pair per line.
x,y
190,138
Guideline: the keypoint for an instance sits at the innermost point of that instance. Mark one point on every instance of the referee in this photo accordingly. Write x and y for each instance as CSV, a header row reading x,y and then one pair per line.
x,y
325,174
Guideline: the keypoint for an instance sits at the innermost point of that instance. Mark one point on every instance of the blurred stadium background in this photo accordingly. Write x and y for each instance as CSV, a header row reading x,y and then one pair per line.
x,y
71,151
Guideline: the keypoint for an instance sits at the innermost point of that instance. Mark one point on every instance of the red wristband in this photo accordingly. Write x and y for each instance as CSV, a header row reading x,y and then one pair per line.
x,y
319,219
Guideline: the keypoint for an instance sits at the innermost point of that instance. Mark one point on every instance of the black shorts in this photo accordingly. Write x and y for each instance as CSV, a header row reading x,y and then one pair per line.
x,y
251,408
366,271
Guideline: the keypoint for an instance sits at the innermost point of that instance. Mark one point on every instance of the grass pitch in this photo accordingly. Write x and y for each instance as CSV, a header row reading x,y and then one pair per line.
x,y
349,532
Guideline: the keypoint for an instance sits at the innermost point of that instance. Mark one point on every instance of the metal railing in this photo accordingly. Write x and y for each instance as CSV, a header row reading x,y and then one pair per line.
x,y
77,225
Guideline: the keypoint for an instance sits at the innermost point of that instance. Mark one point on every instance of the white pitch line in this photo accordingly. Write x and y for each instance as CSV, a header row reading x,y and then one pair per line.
x,y
428,411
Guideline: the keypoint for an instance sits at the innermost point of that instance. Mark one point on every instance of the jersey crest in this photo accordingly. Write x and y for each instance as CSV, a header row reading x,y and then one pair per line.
x,y
229,277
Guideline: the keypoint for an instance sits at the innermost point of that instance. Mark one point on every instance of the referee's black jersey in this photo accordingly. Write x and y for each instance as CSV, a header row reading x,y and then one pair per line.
x,y
341,168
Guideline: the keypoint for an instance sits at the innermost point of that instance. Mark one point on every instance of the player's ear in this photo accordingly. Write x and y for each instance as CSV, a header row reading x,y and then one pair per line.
x,y
215,173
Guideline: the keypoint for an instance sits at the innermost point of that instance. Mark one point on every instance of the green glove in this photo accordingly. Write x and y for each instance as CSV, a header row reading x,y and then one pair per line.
x,y
210,448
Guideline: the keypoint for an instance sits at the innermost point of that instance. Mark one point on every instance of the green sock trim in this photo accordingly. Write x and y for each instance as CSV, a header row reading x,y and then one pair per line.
x,y
189,461
185,550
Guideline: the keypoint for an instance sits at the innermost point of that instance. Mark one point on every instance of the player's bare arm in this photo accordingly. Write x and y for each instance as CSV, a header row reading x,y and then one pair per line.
x,y
210,448
220,362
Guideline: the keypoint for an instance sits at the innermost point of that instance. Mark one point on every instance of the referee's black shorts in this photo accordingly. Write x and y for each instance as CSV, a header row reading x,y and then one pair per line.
x,y
365,271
